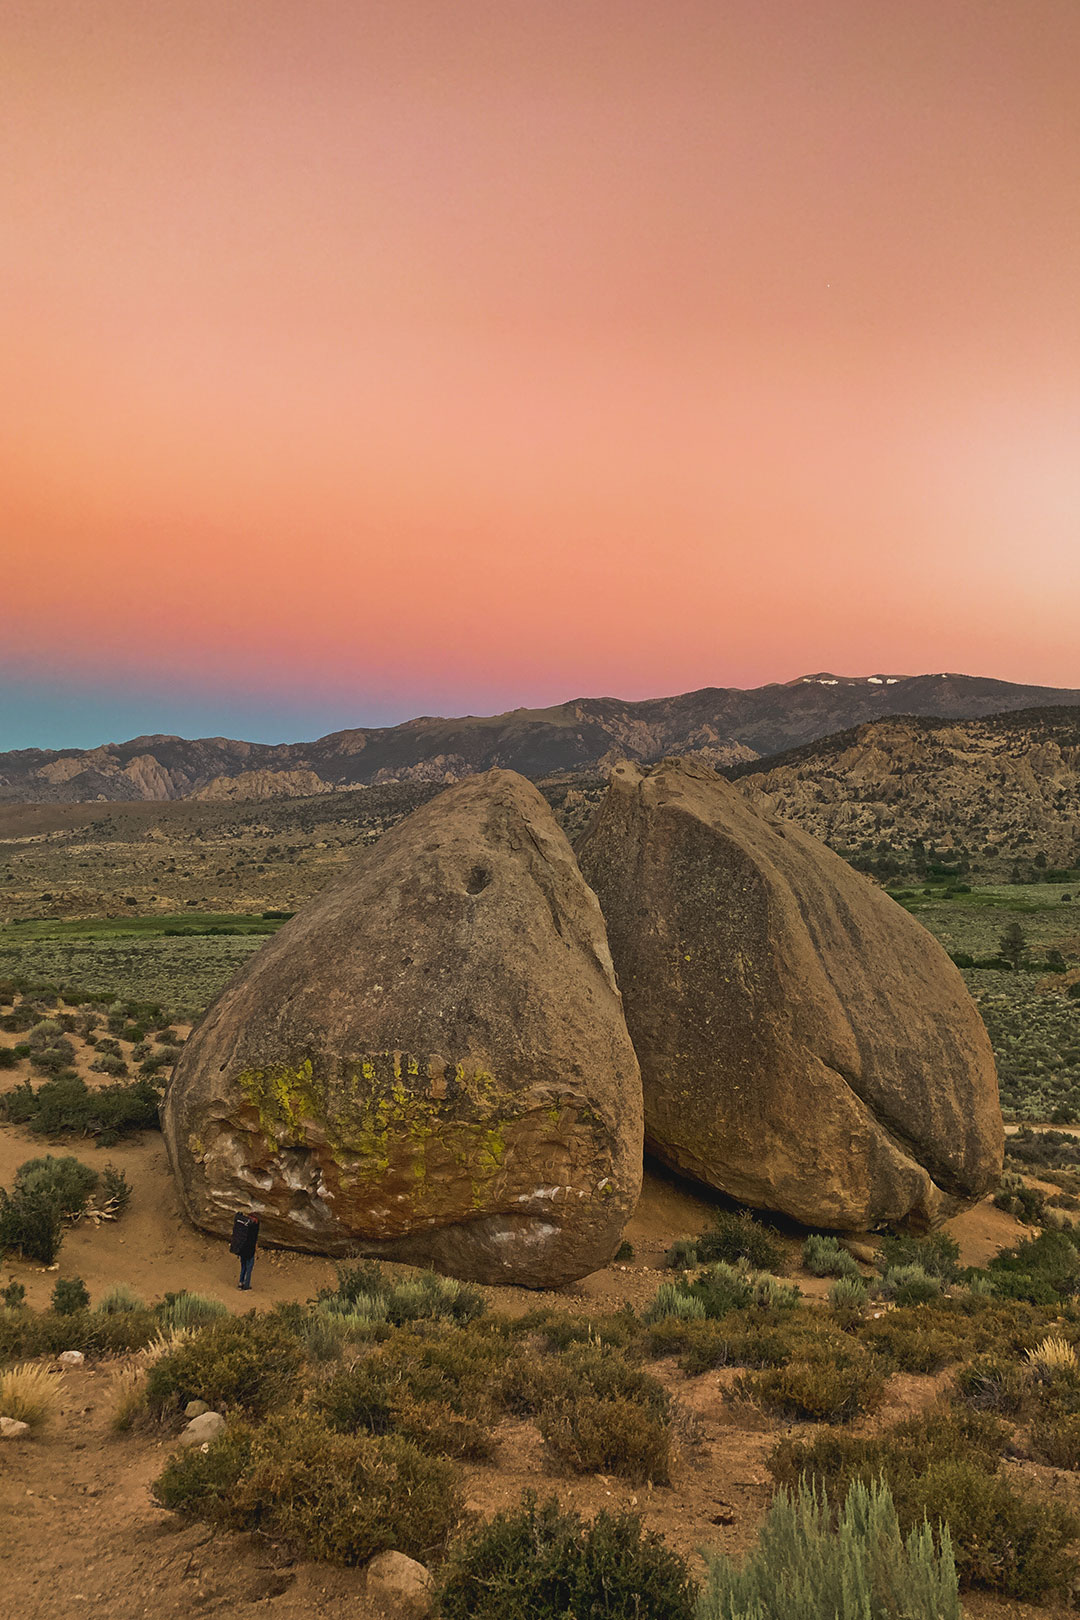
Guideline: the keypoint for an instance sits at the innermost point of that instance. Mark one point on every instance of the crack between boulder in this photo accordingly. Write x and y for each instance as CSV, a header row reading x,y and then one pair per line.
x,y
948,1186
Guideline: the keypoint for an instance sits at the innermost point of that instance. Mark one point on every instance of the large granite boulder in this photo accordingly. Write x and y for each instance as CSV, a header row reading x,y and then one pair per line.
x,y
429,1062
805,1045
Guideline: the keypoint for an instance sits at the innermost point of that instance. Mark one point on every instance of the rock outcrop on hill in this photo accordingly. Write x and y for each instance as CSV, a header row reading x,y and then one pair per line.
x,y
805,1045
999,792
429,1063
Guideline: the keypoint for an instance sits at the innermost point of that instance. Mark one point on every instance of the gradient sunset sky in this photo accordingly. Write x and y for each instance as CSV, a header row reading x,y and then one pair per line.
x,y
366,358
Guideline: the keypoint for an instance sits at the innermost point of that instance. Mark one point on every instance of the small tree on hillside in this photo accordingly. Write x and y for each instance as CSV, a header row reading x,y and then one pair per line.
x,y
1012,945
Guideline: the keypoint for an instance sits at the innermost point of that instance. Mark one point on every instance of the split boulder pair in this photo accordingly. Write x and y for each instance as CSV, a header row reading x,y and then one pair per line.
x,y
432,1062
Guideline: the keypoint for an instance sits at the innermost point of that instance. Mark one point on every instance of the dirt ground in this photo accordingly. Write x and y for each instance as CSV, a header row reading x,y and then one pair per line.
x,y
80,1534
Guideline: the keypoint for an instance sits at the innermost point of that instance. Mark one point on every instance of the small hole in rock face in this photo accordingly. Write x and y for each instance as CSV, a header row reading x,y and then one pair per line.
x,y
479,878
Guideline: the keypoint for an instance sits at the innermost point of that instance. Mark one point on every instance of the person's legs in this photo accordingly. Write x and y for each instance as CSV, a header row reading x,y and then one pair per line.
x,y
246,1264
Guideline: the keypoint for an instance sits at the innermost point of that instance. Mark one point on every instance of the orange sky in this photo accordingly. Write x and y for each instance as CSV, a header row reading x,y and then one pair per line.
x,y
369,358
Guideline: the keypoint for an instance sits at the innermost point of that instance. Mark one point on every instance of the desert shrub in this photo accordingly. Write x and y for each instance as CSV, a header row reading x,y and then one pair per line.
x,y
673,1301
251,1362
67,1106
69,1295
120,1298
824,1391
108,1063
364,1290
561,1330
8,1060
13,1295
188,1310
589,1435
683,1255
31,1225
993,1383
29,1394
541,1562
965,1324
805,1566
721,1288
1042,1269
942,1466
66,1180
340,1498
1055,1439
46,1333
1005,1538
910,1285
598,1414
938,1254
848,1293
625,1251
735,1235
438,1392
823,1257
200,1481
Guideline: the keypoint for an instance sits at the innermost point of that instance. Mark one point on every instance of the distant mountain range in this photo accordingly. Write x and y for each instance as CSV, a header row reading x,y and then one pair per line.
x,y
725,726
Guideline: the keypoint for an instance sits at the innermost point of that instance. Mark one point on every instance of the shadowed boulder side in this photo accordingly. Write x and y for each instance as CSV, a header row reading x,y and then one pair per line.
x,y
805,1045
429,1062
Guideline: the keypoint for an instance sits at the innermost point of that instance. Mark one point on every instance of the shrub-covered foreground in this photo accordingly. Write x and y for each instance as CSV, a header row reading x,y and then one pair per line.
x,y
349,1422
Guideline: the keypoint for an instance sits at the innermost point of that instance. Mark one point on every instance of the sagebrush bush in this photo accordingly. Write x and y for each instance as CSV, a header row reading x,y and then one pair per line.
x,y
249,1362
823,1256
805,1566
937,1254
66,1180
823,1391
848,1294
544,1564
910,1285
188,1310
437,1391
736,1235
120,1298
67,1106
69,1295
943,1465
366,1291
31,1225
591,1435
340,1498
670,1300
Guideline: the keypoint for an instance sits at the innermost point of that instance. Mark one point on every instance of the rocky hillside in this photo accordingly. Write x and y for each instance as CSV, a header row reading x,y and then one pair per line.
x,y
1000,795
721,725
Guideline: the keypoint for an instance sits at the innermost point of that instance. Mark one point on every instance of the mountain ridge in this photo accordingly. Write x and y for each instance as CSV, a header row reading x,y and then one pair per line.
x,y
727,727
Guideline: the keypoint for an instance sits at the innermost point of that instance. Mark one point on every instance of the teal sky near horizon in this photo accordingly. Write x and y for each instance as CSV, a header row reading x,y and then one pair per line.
x,y
369,358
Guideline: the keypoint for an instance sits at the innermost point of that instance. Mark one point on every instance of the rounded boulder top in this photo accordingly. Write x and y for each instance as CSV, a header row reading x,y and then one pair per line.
x,y
429,1062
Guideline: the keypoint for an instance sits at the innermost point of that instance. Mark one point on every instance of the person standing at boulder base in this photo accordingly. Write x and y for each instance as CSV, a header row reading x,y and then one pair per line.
x,y
245,1239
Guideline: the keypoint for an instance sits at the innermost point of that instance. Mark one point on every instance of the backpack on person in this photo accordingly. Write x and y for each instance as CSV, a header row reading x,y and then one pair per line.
x,y
242,1233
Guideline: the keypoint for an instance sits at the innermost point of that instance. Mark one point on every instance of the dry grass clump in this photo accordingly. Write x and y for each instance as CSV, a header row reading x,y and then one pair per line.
x,y
30,1394
1052,1355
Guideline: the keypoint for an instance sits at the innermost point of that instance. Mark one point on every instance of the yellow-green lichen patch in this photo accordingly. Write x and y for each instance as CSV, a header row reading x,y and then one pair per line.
x,y
285,1099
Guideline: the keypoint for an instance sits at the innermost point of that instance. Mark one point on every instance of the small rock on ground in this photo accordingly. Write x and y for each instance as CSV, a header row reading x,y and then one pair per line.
x,y
202,1428
12,1429
401,1585
71,1358
195,1409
